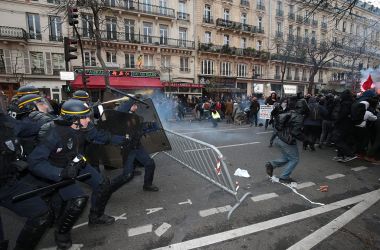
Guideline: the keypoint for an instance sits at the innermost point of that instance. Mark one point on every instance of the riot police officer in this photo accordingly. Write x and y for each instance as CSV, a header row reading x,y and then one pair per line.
x,y
34,209
24,90
81,95
52,160
135,151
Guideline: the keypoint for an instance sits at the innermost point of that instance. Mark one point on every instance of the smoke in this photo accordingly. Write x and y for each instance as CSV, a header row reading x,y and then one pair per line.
x,y
375,74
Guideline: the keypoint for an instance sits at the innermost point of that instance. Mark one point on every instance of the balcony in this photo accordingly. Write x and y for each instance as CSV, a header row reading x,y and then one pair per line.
x,y
294,59
123,37
208,19
36,36
260,7
237,26
279,34
244,3
277,77
55,38
315,23
291,16
137,6
38,71
225,49
299,19
324,26
279,13
13,33
183,16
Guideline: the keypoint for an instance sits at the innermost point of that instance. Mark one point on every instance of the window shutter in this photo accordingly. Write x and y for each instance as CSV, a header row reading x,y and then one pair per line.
x,y
8,61
26,62
49,70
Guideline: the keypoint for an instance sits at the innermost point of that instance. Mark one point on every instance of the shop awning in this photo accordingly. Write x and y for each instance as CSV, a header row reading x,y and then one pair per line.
x,y
97,82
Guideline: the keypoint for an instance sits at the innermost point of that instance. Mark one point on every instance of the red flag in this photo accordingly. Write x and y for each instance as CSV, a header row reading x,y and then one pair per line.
x,y
367,84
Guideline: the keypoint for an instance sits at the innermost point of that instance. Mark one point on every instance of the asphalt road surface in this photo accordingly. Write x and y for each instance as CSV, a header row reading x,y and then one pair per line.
x,y
191,213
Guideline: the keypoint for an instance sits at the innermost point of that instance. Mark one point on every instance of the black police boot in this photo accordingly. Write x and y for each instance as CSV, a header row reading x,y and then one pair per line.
x,y
97,216
32,232
4,245
70,215
120,181
150,188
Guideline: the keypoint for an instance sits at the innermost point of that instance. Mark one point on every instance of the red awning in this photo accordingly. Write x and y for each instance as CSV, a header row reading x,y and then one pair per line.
x,y
97,82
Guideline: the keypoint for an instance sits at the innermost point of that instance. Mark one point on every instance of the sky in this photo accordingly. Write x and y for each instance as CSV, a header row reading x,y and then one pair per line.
x,y
375,2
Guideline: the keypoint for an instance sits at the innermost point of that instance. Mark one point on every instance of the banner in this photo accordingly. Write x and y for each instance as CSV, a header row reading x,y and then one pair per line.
x,y
265,110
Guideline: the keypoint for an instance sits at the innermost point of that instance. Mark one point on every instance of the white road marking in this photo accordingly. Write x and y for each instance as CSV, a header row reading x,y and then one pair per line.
x,y
335,176
140,230
263,197
153,210
185,202
358,168
212,130
217,210
261,226
324,232
73,247
266,132
120,217
304,185
162,229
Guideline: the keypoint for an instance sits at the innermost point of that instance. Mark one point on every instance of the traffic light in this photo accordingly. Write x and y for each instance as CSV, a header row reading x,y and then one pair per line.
x,y
72,15
67,88
69,49
85,79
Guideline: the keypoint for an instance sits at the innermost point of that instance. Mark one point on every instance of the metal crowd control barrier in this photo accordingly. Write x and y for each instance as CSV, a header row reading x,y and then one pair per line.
x,y
205,160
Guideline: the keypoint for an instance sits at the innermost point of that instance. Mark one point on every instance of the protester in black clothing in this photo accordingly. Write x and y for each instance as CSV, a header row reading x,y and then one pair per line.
x,y
254,110
280,107
270,101
313,123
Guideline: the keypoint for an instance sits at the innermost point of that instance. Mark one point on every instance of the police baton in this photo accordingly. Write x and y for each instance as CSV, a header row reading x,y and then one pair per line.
x,y
130,96
60,184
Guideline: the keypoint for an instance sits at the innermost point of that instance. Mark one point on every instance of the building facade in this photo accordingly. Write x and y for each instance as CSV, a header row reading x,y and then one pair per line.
x,y
218,48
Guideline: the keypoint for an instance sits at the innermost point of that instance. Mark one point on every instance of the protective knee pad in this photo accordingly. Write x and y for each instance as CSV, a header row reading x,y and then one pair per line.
x,y
33,230
71,213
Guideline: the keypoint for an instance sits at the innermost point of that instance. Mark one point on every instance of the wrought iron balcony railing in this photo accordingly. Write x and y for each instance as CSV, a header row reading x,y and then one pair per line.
x,y
208,19
324,25
237,26
291,16
299,19
56,38
277,77
279,13
248,52
183,16
137,6
260,6
315,23
244,2
307,21
279,34
289,77
36,36
13,33
38,71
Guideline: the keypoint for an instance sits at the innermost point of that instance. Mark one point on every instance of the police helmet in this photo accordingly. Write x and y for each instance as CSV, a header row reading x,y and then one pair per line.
x,y
74,110
31,102
26,90
81,95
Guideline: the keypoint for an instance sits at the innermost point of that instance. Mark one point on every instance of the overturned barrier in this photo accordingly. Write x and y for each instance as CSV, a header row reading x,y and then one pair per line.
x,y
205,160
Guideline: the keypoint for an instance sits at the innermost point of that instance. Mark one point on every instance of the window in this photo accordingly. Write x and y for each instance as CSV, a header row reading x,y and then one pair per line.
x,y
147,6
344,26
182,6
225,69
163,34
243,43
291,30
111,57
34,26
37,63
58,61
296,74
130,61
291,9
165,62
279,27
226,40
54,1
87,25
55,28
207,37
298,31
111,3
111,28
164,7
226,14
351,28
243,18
207,67
306,33
260,23
242,70
279,5
128,4
258,69
182,37
129,30
2,62
184,64
258,45
320,76
89,58
278,70
148,30
148,61
207,13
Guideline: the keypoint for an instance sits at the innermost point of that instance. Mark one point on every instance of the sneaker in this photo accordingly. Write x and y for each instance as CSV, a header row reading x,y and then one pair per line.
x,y
269,169
286,180
348,158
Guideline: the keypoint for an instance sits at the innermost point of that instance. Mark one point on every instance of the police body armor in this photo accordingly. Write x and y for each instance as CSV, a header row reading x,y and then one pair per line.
x,y
73,142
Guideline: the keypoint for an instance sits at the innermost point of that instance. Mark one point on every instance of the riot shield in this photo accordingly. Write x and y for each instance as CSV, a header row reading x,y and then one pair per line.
x,y
154,140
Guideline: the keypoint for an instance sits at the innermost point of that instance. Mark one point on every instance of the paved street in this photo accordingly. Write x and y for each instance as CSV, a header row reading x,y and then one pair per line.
x,y
191,210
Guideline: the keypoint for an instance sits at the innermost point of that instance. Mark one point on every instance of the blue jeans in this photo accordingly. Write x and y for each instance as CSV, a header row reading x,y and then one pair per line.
x,y
289,158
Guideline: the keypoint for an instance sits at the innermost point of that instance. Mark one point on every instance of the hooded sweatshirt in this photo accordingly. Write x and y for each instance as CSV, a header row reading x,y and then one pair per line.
x,y
368,116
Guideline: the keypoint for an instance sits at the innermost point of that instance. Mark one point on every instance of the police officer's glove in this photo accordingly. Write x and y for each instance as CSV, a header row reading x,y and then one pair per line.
x,y
69,172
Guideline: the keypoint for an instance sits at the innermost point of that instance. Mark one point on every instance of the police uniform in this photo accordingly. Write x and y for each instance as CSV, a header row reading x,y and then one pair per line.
x,y
34,209
52,157
135,151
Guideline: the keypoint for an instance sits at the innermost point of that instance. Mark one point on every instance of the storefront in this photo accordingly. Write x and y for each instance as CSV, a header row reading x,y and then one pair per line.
x,y
188,90
142,82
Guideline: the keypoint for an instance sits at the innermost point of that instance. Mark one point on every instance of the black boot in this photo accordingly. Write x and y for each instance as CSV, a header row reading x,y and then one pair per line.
x,y
4,245
97,215
70,215
120,181
32,232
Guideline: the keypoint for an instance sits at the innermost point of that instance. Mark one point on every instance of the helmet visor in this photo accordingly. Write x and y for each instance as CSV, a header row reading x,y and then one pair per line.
x,y
43,105
3,103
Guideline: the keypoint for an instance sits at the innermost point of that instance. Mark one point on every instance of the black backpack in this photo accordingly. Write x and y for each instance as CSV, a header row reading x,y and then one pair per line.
x,y
357,113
